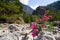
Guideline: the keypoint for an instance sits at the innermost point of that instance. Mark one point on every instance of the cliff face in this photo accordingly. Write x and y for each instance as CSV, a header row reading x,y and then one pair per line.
x,y
27,9
39,11
53,7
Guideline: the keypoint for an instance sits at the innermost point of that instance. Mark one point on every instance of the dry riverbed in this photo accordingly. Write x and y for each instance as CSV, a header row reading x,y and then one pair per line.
x,y
21,32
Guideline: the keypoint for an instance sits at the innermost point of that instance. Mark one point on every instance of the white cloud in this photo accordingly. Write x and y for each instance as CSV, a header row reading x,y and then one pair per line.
x,y
24,1
34,7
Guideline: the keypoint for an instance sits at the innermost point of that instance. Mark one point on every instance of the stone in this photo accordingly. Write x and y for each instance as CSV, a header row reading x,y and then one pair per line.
x,y
23,33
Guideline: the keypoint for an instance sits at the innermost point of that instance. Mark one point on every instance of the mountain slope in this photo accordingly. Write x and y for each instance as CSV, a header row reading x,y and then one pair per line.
x,y
53,9
10,11
39,10
54,6
27,9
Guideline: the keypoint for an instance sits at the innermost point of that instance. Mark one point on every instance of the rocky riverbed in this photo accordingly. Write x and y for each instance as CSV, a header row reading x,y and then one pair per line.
x,y
21,32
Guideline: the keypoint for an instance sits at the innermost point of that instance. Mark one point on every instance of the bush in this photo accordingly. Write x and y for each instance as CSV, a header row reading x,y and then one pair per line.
x,y
34,17
27,18
56,15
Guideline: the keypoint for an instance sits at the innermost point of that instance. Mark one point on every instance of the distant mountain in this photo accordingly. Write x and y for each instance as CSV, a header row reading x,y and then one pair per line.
x,y
27,9
53,7
39,10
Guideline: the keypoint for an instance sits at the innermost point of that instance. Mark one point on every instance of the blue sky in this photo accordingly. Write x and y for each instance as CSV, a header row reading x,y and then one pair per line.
x,y
35,3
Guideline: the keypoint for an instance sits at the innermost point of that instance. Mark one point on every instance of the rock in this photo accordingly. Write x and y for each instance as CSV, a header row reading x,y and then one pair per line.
x,y
23,33
57,23
57,38
12,27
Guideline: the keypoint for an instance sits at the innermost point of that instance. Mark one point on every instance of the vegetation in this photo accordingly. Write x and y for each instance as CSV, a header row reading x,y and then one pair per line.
x,y
56,16
34,17
53,9
27,18
10,9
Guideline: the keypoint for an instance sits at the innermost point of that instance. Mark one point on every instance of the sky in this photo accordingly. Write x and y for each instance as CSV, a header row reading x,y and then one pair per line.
x,y
35,3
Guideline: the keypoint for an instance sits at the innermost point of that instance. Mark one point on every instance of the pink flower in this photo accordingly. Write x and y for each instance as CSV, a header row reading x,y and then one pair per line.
x,y
37,21
40,19
50,16
42,26
33,26
33,34
35,30
45,18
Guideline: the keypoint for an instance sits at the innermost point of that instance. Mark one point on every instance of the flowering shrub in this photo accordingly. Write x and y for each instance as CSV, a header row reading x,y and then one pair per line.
x,y
39,24
34,33
33,26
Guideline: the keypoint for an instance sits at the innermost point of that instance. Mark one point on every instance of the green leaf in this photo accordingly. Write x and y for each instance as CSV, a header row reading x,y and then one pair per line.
x,y
50,26
38,27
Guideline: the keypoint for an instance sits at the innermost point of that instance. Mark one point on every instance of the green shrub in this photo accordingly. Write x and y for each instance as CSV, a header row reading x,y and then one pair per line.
x,y
27,18
34,17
